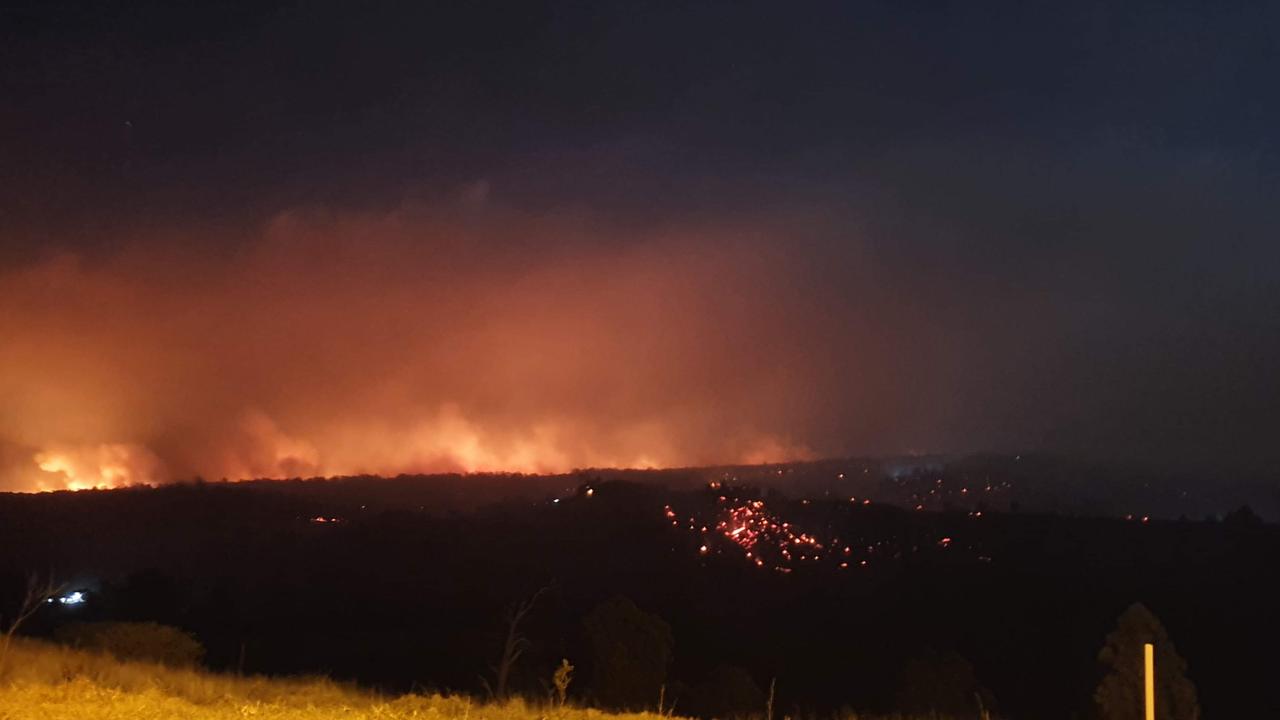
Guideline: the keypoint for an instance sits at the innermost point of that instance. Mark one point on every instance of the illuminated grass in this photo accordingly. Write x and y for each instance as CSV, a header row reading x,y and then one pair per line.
x,y
39,681
46,681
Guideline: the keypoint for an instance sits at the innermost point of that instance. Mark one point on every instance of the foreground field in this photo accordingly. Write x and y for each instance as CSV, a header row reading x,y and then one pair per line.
x,y
46,681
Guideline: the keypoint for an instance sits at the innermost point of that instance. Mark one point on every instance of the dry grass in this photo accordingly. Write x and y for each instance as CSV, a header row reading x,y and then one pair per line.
x,y
47,681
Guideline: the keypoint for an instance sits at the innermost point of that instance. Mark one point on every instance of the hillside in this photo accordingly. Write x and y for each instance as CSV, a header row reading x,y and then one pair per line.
x,y
398,599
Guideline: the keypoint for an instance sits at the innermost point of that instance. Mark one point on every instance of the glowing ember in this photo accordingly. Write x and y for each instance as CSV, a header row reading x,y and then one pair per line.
x,y
761,535
766,540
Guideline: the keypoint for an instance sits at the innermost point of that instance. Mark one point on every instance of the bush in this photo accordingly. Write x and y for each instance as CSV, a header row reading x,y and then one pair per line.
x,y
135,641
630,652
941,683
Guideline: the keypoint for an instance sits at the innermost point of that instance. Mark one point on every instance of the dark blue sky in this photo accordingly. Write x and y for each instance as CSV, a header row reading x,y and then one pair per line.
x,y
1048,225
289,102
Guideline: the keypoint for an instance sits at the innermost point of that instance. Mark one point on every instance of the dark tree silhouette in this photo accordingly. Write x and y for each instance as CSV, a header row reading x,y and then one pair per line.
x,y
37,593
514,643
1120,693
630,652
1243,516
941,683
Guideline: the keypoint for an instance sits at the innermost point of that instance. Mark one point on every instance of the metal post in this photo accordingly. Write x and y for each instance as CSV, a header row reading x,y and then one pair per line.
x,y
1149,663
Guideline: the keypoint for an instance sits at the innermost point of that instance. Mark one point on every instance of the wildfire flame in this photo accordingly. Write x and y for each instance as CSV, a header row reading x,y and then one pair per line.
x,y
100,466
398,341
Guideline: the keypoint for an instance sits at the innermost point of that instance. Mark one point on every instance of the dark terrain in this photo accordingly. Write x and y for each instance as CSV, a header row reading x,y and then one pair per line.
x,y
401,583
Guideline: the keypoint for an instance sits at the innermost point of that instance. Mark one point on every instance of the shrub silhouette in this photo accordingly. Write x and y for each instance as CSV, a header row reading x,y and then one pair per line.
x,y
630,652
935,683
560,680
135,641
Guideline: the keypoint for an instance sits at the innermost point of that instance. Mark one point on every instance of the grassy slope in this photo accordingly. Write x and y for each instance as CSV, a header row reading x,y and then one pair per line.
x,y
47,681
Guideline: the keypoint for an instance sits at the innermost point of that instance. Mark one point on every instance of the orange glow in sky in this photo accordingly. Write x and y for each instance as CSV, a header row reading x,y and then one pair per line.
x,y
322,344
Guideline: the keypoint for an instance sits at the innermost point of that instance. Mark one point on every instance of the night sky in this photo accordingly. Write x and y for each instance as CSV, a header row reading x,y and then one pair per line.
x,y
276,239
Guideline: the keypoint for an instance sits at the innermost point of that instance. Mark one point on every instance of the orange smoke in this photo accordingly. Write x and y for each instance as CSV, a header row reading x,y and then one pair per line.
x,y
417,340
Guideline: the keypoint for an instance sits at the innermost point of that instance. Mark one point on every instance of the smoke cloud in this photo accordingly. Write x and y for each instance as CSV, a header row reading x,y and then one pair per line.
x,y
467,335
414,340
